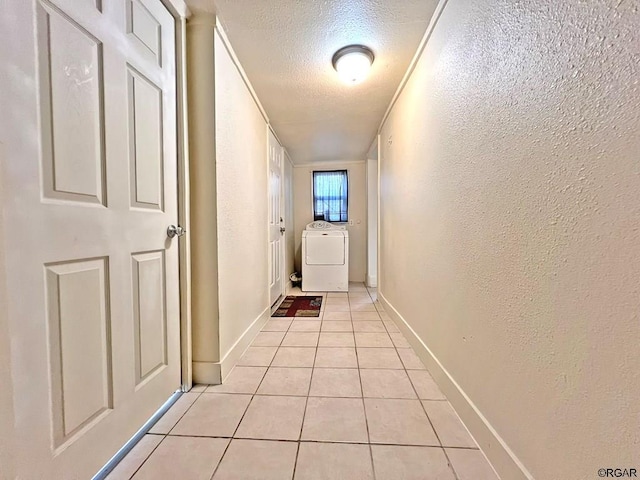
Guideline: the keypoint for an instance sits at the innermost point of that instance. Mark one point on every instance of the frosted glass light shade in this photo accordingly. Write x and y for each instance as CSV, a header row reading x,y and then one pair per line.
x,y
353,63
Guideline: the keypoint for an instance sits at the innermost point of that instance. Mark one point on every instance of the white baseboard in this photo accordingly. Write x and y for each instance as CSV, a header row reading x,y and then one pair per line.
x,y
213,373
372,281
235,352
501,457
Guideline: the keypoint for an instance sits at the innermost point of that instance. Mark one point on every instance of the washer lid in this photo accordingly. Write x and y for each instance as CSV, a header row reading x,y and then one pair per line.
x,y
322,225
325,233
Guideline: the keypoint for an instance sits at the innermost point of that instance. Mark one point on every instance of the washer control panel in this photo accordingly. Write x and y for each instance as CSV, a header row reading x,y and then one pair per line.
x,y
322,225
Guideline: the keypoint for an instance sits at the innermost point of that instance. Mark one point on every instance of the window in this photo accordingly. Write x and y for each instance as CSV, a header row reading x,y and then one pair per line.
x,y
330,195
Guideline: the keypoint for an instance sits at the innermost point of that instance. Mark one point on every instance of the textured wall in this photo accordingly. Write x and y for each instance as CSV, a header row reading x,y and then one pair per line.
x,y
303,214
202,180
510,222
241,148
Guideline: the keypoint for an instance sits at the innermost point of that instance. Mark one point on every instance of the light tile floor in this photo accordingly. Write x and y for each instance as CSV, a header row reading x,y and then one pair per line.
x,y
341,396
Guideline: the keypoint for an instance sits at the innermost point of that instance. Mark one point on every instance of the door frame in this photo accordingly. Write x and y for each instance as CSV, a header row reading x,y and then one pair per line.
x,y
289,253
180,13
283,224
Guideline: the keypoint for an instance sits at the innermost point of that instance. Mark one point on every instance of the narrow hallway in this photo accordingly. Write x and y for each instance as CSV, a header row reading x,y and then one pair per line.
x,y
339,396
170,169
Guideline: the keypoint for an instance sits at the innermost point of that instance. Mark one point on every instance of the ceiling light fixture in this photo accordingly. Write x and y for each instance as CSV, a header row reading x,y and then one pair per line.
x,y
353,63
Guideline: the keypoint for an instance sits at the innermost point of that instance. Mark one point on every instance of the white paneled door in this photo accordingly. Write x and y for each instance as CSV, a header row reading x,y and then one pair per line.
x,y
89,188
276,220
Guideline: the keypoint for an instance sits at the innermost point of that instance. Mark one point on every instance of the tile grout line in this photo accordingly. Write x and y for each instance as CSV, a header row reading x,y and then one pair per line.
x,y
323,396
336,442
373,465
295,460
321,315
364,408
144,461
306,403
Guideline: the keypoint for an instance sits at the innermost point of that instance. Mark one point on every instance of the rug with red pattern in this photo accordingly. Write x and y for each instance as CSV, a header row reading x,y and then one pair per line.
x,y
298,306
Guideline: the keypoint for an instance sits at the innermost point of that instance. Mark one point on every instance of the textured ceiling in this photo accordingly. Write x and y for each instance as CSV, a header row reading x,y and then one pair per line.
x,y
285,47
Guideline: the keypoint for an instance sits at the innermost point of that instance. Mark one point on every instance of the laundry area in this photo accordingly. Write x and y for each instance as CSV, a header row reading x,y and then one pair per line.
x,y
325,258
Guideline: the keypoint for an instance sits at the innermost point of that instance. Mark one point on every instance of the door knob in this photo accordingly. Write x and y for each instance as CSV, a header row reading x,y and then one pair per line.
x,y
175,231
282,229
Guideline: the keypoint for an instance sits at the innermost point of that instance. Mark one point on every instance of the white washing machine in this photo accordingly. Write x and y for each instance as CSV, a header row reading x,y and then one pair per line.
x,y
325,258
